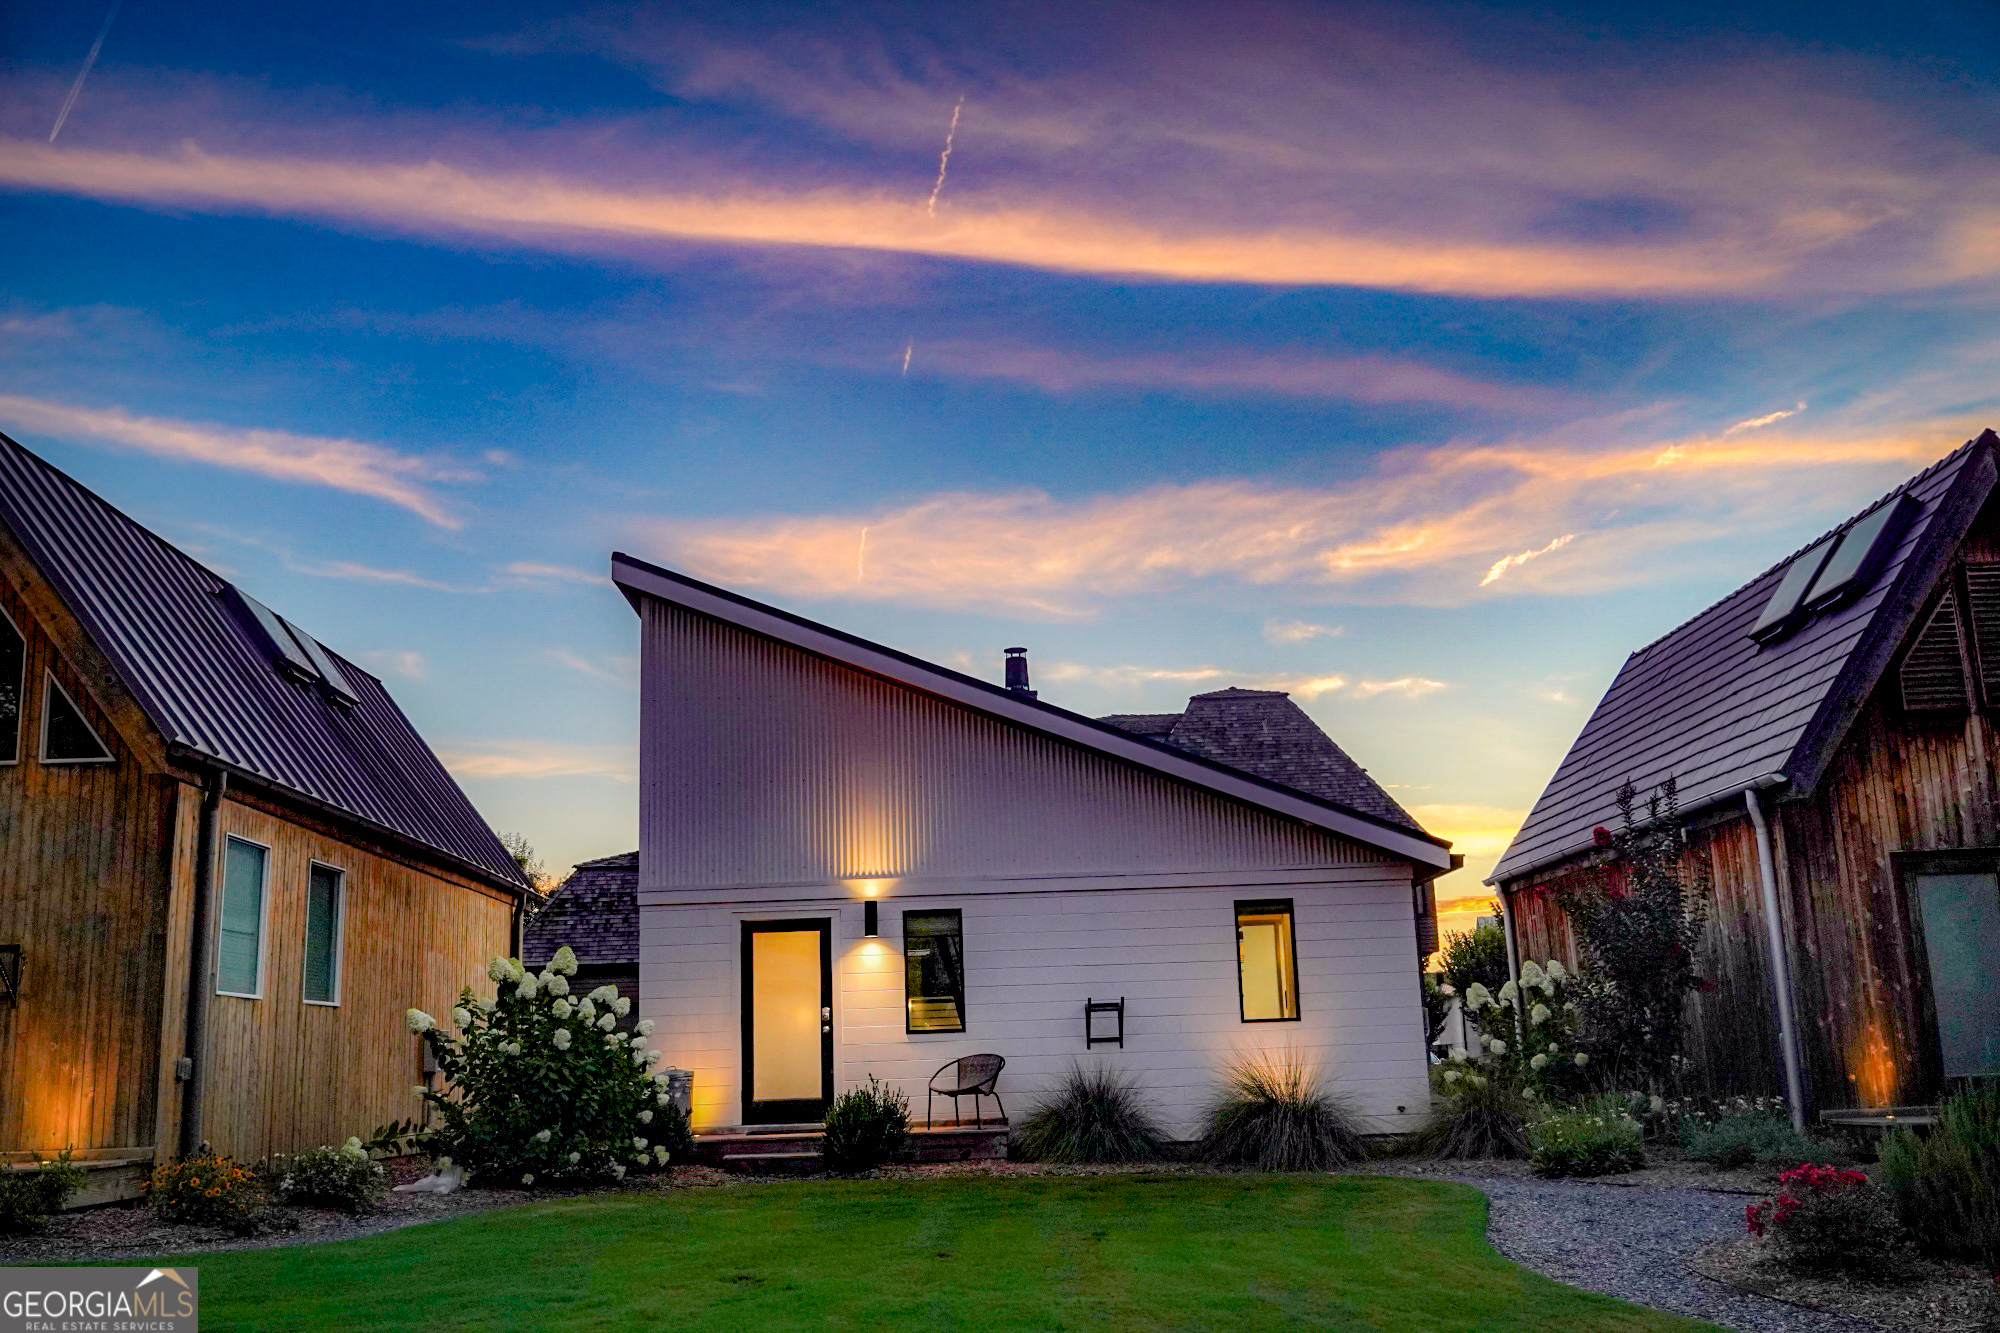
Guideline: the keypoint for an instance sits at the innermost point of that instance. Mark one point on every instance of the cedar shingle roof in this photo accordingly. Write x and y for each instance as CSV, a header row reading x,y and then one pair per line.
x,y
1262,732
206,675
1715,710
595,912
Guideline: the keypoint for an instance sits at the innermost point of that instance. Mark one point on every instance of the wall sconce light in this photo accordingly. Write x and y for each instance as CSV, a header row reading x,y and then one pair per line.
x,y
871,918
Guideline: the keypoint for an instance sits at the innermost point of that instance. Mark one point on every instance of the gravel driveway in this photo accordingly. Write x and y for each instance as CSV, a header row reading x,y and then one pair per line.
x,y
1630,1241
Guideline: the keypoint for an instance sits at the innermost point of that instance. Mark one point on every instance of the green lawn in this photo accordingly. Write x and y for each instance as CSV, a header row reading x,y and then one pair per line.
x,y
973,1253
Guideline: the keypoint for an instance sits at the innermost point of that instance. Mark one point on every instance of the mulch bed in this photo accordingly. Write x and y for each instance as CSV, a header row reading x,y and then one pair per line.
x,y
1938,1297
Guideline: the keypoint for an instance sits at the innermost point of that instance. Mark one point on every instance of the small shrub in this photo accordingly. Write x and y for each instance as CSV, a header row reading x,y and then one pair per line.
x,y
865,1127
1476,957
1274,1114
1946,1186
1825,1220
1091,1115
345,1178
672,1131
1598,1139
28,1197
205,1190
1475,1116
1756,1137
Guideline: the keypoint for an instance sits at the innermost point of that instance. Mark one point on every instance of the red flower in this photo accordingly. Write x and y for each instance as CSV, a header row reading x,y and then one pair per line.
x,y
1753,1218
1617,890
1602,836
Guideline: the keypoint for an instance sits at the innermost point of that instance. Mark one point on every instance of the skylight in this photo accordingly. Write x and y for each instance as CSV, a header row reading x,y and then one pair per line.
x,y
300,655
1835,569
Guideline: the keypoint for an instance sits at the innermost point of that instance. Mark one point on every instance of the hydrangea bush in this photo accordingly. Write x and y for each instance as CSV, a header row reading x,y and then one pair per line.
x,y
540,1086
346,1177
1527,1036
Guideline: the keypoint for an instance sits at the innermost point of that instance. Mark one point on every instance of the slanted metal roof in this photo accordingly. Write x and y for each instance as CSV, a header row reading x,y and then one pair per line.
x,y
206,673
1400,838
1265,733
1715,711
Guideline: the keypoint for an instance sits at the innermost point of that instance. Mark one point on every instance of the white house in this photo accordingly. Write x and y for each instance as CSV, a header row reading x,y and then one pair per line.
x,y
854,862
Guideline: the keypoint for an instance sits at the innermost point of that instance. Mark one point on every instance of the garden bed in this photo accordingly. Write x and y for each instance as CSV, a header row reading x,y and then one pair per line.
x,y
1939,1298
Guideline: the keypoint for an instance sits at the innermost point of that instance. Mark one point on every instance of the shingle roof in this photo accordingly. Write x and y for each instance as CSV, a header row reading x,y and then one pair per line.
x,y
595,912
1264,733
1714,710
205,673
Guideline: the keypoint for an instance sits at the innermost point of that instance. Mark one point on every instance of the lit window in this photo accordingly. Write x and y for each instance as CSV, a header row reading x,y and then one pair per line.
x,y
1266,961
13,684
66,737
324,903
934,966
239,962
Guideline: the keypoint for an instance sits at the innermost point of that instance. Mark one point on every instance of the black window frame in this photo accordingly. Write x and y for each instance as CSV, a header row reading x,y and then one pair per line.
x,y
16,752
958,996
1906,867
1268,907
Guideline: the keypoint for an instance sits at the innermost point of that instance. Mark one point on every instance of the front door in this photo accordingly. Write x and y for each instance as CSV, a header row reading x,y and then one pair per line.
x,y
787,1021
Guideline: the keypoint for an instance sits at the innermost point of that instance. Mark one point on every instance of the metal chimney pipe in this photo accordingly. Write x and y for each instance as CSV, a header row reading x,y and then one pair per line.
x,y
1017,671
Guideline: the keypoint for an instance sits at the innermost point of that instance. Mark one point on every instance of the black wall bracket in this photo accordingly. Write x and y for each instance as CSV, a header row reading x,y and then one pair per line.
x,y
1104,1023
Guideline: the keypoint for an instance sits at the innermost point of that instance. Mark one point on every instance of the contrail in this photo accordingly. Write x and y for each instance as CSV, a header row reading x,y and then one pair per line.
x,y
944,159
906,356
861,556
1755,422
76,88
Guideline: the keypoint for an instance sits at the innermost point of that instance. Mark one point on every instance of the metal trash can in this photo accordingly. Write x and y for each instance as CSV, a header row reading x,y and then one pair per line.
x,y
680,1089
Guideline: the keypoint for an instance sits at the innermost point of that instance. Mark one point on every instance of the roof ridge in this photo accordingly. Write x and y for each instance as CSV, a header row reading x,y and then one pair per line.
x,y
1847,522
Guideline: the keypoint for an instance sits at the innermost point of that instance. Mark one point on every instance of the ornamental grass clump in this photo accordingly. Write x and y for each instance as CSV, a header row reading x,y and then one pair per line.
x,y
206,1189
1598,1139
346,1178
1092,1115
27,1198
1826,1220
865,1127
1274,1114
1477,1113
541,1087
1946,1185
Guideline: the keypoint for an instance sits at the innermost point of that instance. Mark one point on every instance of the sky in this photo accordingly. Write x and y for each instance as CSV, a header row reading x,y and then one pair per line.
x,y
1421,360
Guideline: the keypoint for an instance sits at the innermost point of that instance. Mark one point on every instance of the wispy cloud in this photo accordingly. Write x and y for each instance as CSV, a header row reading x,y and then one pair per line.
x,y
623,672
520,572
354,571
1424,526
1500,567
397,662
1298,631
1481,833
1410,687
353,466
1127,677
540,760
1768,419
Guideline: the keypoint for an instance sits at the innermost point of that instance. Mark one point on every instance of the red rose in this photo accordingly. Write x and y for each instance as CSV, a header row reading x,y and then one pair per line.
x,y
1602,836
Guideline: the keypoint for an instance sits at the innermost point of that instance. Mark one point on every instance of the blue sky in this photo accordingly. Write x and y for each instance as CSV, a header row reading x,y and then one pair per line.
x,y
1423,360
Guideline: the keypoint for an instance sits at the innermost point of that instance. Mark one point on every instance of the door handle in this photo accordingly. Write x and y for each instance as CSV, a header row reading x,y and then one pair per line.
x,y
826,1018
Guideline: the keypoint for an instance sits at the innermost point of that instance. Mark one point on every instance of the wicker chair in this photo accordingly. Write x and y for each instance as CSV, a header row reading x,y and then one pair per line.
x,y
973,1076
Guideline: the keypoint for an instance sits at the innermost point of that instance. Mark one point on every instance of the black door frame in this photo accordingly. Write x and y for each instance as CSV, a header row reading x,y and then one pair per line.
x,y
796,1111
1907,866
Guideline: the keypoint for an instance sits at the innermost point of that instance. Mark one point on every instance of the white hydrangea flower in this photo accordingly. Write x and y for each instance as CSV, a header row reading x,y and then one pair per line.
x,y
1655,1103
557,984
561,1039
1531,974
1582,1059
640,1144
638,1057
1539,1014
588,1008
419,1090
1451,1076
1540,1061
605,994
1509,992
575,1157
1477,997
513,1048
497,969
1446,988
616,1038
621,1006
418,1021
544,977
660,1154
544,1136
645,1027
527,1178
526,990
617,1171
606,1023
1457,1052
661,1078
562,1008
444,1163
645,1117
564,963
1499,1047
1556,971
1552,1048
652,1057
484,1006
461,1018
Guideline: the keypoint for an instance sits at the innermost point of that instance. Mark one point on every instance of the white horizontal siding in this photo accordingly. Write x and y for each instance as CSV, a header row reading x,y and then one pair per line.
x,y
1031,962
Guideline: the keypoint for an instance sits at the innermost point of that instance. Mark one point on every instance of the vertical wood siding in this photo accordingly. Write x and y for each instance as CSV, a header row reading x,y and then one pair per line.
x,y
84,851
761,764
284,1074
1031,961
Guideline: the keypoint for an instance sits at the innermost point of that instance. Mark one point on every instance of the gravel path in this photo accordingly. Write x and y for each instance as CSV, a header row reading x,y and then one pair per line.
x,y
1631,1242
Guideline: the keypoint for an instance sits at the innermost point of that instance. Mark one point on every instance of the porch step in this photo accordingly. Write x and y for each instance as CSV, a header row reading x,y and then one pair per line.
x,y
736,1149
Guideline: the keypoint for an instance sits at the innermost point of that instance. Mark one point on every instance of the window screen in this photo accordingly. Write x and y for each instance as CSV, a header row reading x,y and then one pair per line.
x,y
66,737
239,950
323,935
934,966
1266,961
13,680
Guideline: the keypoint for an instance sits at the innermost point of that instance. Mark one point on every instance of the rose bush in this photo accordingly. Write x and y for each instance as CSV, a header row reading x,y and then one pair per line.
x,y
539,1086
1824,1219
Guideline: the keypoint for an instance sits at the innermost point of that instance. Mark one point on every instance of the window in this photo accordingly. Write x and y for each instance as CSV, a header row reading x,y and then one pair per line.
x,y
66,737
13,684
326,902
239,961
1958,906
934,966
1267,963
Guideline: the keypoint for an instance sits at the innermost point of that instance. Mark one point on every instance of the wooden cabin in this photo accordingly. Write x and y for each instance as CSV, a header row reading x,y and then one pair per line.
x,y
228,863
854,862
1831,729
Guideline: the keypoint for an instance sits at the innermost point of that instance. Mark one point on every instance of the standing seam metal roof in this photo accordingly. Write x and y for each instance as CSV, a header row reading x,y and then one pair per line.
x,y
202,671
1709,707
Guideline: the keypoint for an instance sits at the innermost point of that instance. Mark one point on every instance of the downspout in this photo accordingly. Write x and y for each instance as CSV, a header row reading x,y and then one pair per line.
x,y
1513,948
192,1066
1774,943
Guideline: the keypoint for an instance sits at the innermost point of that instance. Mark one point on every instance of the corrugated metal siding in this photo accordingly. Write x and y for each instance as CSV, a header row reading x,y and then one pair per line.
x,y
1708,707
761,764
206,678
